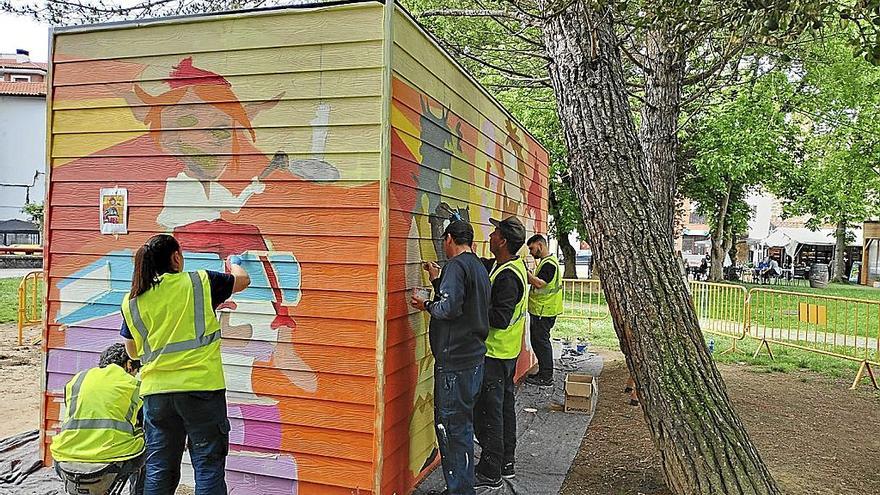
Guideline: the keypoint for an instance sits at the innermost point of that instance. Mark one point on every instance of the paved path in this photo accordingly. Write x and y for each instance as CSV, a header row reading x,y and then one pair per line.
x,y
547,440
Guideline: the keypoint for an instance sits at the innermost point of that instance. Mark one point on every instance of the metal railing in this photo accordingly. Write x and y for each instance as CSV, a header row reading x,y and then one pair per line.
x,y
29,299
840,327
583,299
722,309
834,326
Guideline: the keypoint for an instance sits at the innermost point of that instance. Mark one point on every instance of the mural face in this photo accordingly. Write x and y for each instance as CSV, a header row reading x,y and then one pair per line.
x,y
202,169
444,167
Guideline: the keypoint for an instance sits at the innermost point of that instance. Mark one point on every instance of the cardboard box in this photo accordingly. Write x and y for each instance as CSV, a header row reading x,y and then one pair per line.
x,y
581,393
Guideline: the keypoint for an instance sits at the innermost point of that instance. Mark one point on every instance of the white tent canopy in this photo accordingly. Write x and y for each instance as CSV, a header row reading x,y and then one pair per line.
x,y
792,237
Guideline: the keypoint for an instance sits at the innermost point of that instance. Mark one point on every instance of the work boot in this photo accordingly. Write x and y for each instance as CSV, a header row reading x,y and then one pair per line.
x,y
539,381
486,482
507,471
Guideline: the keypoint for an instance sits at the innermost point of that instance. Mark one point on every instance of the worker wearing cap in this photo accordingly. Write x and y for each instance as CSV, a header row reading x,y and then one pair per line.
x,y
170,325
458,329
495,413
545,304
101,424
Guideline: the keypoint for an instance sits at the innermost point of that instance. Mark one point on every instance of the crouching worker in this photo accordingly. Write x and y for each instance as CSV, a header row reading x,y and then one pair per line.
x,y
101,444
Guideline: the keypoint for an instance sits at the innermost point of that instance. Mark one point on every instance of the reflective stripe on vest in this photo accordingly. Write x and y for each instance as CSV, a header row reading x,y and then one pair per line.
x,y
548,300
506,343
198,309
99,423
177,335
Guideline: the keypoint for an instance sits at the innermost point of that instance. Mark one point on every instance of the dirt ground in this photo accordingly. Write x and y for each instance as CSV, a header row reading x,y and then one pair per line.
x,y
19,381
816,435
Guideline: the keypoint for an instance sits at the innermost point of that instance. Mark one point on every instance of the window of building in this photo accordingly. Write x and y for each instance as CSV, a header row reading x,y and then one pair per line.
x,y
21,78
696,218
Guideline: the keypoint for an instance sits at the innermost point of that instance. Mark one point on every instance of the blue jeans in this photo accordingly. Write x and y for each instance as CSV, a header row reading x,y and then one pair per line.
x,y
172,419
455,393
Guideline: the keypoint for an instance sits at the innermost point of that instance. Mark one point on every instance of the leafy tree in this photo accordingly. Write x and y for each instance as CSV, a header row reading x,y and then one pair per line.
x,y
737,145
838,180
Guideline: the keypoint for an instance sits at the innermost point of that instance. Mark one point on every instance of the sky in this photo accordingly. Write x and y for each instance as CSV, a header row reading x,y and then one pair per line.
x,y
22,32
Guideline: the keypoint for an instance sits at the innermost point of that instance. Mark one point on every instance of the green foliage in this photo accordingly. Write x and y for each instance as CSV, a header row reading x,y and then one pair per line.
x,y
839,110
737,144
35,211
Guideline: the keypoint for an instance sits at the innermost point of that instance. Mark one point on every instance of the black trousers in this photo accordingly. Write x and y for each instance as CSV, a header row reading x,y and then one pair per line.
x,y
540,336
495,417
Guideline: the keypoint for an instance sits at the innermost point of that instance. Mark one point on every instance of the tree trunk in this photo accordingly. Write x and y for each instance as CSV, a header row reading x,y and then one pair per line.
x,y
658,131
838,273
569,257
716,267
703,446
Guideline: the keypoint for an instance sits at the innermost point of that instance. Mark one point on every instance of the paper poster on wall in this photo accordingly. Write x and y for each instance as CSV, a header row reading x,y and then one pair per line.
x,y
114,211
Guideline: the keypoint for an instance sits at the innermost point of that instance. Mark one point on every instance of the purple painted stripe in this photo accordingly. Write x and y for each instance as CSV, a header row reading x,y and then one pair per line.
x,y
70,362
278,465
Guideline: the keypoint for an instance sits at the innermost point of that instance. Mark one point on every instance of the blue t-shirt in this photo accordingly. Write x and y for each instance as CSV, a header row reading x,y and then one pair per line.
x,y
221,290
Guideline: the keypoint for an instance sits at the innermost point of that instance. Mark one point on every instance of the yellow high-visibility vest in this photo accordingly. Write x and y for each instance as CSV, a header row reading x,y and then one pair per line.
x,y
101,406
547,301
505,343
177,335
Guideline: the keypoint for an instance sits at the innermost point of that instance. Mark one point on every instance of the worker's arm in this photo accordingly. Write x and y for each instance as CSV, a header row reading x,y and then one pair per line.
x,y
544,276
536,282
130,349
242,279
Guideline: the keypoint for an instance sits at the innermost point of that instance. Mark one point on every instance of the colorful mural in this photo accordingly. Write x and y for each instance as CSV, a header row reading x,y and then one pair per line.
x,y
267,176
454,154
266,142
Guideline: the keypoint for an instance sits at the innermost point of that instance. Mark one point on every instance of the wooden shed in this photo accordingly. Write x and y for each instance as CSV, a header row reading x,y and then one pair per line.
x,y
327,145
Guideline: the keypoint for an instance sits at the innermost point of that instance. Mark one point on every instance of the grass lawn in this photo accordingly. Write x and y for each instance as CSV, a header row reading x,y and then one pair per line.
x,y
9,299
600,334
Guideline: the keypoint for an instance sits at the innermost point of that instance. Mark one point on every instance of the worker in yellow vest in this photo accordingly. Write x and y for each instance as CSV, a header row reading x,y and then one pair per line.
x,y
171,326
495,413
545,304
101,430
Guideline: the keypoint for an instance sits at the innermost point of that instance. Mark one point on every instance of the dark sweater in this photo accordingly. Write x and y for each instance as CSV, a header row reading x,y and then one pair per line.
x,y
459,314
507,291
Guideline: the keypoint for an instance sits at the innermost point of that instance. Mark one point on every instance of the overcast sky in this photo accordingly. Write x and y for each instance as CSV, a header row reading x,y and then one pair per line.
x,y
21,32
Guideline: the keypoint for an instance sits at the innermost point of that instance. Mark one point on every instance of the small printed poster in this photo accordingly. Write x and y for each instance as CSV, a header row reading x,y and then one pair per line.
x,y
114,211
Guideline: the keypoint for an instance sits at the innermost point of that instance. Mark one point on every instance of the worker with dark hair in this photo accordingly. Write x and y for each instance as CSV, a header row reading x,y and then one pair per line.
x,y
545,304
170,325
495,413
101,428
457,331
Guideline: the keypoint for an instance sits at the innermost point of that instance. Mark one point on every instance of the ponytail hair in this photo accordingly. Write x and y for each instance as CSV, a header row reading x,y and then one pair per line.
x,y
152,260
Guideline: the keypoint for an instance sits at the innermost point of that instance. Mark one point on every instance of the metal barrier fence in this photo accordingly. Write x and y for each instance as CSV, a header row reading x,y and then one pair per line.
x,y
829,325
583,299
833,326
722,309
29,299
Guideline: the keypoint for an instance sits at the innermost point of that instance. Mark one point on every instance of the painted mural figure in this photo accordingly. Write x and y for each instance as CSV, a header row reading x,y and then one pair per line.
x,y
209,137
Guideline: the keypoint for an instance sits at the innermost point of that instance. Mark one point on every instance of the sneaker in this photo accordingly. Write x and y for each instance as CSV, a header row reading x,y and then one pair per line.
x,y
507,471
486,482
539,381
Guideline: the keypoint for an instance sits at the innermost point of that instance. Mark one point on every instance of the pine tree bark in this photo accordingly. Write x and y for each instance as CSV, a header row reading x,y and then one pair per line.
x,y
838,272
703,446
658,130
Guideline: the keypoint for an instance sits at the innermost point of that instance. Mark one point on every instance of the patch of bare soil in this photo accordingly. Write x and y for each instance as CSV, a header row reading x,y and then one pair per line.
x,y
816,435
19,380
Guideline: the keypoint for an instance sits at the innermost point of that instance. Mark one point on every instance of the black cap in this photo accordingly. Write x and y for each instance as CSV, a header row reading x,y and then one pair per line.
x,y
462,232
512,230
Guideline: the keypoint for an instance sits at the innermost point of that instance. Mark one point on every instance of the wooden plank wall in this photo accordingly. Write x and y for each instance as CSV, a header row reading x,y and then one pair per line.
x,y
452,149
257,135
